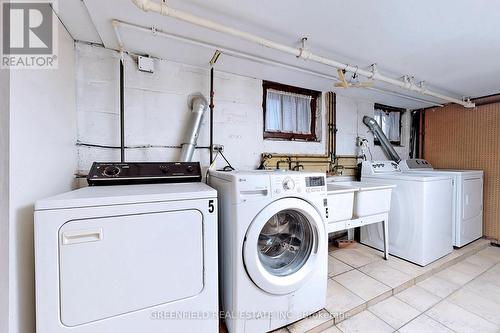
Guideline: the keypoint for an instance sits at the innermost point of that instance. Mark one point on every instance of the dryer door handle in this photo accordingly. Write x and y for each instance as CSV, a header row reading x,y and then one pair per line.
x,y
81,236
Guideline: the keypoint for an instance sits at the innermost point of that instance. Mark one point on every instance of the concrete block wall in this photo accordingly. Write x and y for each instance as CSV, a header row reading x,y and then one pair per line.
x,y
156,112
350,113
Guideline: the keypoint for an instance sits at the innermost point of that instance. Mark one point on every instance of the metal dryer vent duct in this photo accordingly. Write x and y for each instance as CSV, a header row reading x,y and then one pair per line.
x,y
384,142
198,105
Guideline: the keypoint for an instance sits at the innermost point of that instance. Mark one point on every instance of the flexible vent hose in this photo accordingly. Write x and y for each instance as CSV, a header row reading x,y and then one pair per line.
x,y
384,142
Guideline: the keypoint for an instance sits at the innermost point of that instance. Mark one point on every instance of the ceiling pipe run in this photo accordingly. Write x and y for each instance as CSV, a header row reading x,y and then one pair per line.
x,y
246,56
302,52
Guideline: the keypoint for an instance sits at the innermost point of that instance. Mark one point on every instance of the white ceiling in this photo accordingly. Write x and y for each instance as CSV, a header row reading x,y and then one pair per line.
x,y
452,45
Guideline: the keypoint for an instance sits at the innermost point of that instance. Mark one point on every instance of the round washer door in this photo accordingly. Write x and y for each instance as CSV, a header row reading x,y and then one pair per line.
x,y
282,245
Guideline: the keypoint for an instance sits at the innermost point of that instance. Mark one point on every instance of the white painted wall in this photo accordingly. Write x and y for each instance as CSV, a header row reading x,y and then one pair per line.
x,y
156,111
4,198
42,163
350,113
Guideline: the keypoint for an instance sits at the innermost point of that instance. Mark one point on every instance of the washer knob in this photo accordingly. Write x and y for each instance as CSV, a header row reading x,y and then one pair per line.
x,y
288,184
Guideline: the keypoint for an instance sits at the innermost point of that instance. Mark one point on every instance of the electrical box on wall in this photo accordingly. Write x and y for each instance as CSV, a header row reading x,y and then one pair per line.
x,y
145,64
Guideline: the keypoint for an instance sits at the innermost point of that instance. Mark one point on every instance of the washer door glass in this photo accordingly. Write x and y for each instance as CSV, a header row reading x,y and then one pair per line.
x,y
285,242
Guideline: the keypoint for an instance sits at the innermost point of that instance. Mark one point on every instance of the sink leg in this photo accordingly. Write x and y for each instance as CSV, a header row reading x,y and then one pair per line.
x,y
385,227
350,234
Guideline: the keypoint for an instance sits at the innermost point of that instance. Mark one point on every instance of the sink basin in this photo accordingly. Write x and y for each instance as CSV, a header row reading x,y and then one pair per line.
x,y
370,198
340,202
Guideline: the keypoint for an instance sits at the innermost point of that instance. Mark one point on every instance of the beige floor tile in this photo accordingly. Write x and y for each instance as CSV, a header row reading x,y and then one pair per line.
x,y
340,300
490,276
368,249
314,323
384,273
418,297
443,263
406,267
354,257
459,319
481,261
394,312
336,267
364,322
495,270
491,252
482,286
332,329
424,324
438,286
477,304
280,330
461,273
361,284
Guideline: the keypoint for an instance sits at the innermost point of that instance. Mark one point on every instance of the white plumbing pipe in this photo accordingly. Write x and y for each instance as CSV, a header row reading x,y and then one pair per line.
x,y
116,25
246,56
163,9
393,93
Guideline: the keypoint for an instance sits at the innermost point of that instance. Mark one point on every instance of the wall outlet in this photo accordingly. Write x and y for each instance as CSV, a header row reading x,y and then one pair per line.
x,y
218,148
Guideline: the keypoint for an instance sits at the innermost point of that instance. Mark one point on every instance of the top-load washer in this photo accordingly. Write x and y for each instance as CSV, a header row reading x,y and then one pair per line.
x,y
128,259
467,198
273,247
420,218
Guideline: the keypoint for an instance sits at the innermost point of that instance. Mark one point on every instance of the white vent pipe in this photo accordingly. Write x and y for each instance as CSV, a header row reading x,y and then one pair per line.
x,y
302,52
198,106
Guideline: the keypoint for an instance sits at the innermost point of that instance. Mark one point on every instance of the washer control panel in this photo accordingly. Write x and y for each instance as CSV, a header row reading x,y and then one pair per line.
x,y
415,164
110,173
379,167
299,184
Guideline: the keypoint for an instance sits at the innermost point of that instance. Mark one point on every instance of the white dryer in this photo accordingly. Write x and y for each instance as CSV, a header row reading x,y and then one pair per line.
x,y
420,219
128,259
273,247
467,198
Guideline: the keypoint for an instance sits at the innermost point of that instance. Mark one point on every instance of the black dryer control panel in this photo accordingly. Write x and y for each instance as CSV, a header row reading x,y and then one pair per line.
x,y
113,173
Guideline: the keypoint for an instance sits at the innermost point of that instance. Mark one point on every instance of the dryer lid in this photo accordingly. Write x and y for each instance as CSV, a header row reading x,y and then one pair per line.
x,y
93,196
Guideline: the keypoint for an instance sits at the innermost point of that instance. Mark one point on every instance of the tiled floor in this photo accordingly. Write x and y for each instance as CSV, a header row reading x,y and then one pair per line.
x,y
458,293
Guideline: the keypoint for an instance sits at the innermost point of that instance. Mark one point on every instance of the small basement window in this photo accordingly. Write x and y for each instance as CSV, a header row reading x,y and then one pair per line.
x,y
289,112
389,119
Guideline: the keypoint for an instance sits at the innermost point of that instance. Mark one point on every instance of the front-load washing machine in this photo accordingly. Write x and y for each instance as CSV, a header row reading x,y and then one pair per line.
x,y
420,218
467,198
128,259
273,247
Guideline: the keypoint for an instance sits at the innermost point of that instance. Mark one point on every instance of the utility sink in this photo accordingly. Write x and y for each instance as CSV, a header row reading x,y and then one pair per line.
x,y
370,198
340,202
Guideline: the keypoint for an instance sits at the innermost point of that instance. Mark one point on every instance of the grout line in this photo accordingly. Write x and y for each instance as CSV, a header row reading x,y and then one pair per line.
x,y
433,271
395,329
460,306
423,313
442,300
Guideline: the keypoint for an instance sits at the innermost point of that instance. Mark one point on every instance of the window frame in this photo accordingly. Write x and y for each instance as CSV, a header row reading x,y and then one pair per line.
x,y
315,95
388,108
